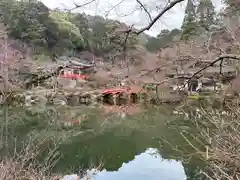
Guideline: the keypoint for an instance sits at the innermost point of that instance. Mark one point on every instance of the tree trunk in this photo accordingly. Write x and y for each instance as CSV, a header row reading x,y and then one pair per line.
x,y
5,63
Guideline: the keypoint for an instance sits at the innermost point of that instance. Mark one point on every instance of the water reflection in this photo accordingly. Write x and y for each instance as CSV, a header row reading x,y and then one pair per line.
x,y
105,139
148,165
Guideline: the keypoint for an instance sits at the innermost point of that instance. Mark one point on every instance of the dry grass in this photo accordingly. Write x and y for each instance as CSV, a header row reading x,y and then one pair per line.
x,y
219,132
12,169
225,150
24,166
34,157
25,163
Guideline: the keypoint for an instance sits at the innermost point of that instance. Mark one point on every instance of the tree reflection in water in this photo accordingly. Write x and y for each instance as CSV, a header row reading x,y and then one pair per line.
x,y
96,142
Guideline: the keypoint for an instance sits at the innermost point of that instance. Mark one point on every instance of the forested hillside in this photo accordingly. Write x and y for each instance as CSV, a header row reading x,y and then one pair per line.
x,y
59,33
178,92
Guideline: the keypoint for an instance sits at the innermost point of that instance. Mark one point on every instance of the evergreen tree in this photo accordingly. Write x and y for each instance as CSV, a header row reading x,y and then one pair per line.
x,y
163,33
164,38
206,14
190,8
232,7
190,25
189,11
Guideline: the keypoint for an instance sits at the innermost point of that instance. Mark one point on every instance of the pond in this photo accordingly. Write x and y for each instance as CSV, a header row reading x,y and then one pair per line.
x,y
147,165
146,145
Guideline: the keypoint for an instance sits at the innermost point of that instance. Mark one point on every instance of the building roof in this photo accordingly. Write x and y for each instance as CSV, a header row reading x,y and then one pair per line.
x,y
77,63
86,56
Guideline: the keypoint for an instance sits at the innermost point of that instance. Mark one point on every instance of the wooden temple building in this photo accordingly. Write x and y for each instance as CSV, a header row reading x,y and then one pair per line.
x,y
77,70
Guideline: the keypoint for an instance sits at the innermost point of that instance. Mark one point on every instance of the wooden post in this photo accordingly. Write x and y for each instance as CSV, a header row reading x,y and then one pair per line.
x,y
114,99
129,98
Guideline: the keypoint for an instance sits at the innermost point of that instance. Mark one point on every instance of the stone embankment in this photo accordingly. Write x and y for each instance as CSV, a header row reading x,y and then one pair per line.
x,y
45,96
52,97
75,97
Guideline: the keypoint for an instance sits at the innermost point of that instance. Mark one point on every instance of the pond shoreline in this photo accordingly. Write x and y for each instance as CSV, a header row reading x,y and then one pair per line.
x,y
77,97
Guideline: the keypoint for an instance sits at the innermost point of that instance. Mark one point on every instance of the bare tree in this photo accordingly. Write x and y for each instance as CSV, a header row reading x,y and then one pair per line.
x,y
5,68
153,17
140,6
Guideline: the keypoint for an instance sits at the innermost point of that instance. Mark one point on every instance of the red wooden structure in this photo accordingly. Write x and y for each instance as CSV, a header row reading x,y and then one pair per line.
x,y
77,70
123,89
73,74
117,90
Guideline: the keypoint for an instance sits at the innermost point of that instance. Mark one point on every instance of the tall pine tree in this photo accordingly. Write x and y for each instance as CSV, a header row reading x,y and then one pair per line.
x,y
189,25
232,7
206,14
189,11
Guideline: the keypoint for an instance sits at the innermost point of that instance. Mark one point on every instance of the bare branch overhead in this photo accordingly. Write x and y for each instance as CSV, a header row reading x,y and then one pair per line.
x,y
145,9
169,6
81,5
160,14
113,7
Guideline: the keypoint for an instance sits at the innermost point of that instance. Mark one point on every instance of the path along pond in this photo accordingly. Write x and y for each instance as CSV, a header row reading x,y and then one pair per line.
x,y
146,145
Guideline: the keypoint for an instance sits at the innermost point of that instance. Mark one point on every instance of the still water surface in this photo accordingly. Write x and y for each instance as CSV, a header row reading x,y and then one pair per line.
x,y
146,166
119,144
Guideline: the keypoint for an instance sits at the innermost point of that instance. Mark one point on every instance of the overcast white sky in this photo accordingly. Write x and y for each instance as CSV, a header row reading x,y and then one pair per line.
x,y
126,11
